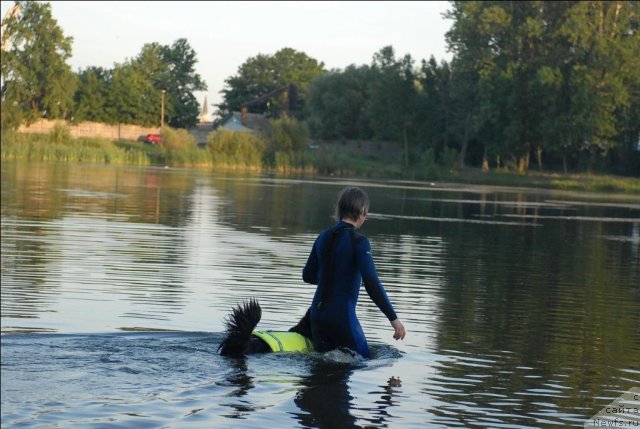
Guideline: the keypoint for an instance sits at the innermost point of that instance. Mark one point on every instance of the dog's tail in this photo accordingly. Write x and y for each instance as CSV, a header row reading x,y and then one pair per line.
x,y
239,325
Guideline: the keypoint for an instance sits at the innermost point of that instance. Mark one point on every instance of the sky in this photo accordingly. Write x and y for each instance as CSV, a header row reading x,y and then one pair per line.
x,y
226,34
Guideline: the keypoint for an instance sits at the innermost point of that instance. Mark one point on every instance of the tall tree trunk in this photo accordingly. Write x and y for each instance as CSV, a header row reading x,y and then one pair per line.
x,y
465,142
523,163
539,156
485,160
406,147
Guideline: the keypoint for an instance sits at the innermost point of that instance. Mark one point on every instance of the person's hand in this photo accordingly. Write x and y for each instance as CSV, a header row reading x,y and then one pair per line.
x,y
399,331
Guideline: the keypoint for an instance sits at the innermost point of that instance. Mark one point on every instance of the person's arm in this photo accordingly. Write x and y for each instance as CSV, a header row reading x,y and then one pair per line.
x,y
398,328
375,289
372,283
310,270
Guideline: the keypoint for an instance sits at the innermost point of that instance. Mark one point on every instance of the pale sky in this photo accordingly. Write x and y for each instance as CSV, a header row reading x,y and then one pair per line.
x,y
225,34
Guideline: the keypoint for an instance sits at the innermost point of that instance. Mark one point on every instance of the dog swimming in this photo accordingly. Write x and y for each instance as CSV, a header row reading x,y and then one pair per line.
x,y
241,337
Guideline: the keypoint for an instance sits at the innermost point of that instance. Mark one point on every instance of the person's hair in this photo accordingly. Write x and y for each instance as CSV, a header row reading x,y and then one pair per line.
x,y
352,203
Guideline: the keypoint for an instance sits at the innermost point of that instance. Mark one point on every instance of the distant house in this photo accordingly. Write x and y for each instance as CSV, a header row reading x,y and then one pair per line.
x,y
253,123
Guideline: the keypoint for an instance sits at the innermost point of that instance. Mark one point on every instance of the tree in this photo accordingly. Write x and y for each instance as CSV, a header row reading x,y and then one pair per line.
x,y
36,80
549,77
435,109
181,84
171,68
392,98
131,98
262,74
599,72
90,97
336,104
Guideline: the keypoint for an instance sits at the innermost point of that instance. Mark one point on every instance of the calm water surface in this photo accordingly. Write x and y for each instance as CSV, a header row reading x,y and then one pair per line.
x,y
522,307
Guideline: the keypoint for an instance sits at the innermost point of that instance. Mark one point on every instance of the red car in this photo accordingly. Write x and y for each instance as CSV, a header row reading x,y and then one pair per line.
x,y
153,138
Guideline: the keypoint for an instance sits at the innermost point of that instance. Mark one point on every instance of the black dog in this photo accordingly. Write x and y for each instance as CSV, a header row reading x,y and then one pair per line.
x,y
242,338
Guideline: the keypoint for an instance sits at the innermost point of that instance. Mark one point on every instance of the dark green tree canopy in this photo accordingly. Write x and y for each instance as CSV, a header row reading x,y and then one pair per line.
x,y
336,104
172,68
90,98
132,92
36,80
547,76
262,74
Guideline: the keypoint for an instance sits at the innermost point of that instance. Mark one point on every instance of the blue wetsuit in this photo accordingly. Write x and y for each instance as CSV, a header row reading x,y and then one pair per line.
x,y
339,262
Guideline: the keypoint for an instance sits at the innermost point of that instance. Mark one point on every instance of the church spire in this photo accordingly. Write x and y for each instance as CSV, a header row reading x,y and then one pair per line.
x,y
204,114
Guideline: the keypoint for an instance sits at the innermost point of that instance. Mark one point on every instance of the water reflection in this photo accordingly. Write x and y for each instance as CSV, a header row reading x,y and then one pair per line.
x,y
325,399
241,382
527,301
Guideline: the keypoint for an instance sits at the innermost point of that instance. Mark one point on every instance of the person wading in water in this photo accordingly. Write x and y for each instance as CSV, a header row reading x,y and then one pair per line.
x,y
339,262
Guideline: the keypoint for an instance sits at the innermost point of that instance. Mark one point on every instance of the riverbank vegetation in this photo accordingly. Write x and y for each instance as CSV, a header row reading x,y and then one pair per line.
x,y
226,150
531,85
533,89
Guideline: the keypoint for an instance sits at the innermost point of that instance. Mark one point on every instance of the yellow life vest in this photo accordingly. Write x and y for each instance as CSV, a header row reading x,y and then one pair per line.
x,y
280,341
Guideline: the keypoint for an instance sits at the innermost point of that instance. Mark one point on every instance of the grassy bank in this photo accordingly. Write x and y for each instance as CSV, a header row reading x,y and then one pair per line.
x,y
569,182
343,161
241,151
61,147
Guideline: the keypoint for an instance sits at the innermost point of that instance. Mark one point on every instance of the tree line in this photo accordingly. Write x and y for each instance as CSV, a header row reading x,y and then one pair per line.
x,y
38,83
531,84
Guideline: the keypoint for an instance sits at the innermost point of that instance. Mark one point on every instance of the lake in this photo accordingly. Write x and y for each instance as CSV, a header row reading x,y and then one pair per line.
x,y
522,306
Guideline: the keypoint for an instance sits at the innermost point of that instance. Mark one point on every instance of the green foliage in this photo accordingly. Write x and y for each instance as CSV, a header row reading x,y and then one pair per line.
x,y
431,169
546,76
179,148
182,83
392,95
557,82
59,146
131,92
171,68
36,81
284,138
449,159
236,149
262,74
337,103
90,98
132,99
60,134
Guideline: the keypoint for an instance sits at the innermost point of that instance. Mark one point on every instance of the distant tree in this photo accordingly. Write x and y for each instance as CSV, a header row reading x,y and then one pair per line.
x,y
131,98
90,97
171,68
594,67
436,112
547,77
393,98
262,74
336,104
182,82
36,80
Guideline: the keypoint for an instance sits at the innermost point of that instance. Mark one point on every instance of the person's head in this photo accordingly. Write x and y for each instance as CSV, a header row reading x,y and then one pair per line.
x,y
352,204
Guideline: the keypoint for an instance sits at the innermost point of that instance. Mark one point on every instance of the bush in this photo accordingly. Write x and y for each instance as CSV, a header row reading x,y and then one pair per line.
x,y
287,139
449,159
59,145
60,134
178,147
430,170
236,149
